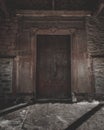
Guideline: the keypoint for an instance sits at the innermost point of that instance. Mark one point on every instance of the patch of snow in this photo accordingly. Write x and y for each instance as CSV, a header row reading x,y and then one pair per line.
x,y
4,123
95,102
85,102
9,125
62,120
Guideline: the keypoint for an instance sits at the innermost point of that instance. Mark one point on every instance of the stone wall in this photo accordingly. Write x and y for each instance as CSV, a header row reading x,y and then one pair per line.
x,y
8,34
6,67
95,36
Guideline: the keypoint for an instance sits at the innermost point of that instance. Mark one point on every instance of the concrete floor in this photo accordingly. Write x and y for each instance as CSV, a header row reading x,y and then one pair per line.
x,y
52,117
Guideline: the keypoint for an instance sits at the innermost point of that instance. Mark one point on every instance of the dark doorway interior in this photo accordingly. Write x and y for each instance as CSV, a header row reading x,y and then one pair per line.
x,y
53,67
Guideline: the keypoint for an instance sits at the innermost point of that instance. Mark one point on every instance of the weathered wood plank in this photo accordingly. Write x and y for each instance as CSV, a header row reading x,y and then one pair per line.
x,y
32,13
24,79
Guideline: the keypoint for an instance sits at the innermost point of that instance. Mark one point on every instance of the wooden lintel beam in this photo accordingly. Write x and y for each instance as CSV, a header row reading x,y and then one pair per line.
x,y
28,13
99,10
3,7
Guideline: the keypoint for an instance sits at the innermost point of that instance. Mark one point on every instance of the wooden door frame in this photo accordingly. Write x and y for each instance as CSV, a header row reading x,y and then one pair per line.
x,y
50,31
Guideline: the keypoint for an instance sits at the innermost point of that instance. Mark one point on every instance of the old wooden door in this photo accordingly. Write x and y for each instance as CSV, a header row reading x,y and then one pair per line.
x,y
53,67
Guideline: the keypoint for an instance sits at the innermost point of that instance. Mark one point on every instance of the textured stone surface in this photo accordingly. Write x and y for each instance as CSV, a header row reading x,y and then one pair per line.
x,y
95,37
6,66
98,65
52,117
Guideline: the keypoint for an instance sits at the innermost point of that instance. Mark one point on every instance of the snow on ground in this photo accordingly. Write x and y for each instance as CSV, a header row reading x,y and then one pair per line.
x,y
85,102
52,117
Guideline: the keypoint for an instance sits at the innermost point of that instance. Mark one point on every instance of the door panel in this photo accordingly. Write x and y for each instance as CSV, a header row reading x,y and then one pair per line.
x,y
53,66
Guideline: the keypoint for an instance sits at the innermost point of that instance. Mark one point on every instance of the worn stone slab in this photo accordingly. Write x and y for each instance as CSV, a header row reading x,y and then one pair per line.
x,y
52,117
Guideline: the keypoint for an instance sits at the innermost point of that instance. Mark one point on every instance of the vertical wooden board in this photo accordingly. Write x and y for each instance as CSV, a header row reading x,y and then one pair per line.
x,y
25,82
74,68
83,79
34,61
98,68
